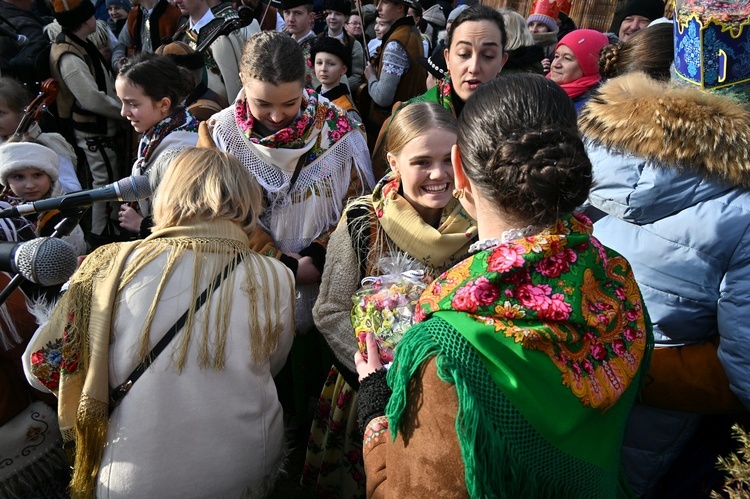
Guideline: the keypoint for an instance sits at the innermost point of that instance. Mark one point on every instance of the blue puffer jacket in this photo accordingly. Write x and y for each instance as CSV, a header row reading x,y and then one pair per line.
x,y
671,171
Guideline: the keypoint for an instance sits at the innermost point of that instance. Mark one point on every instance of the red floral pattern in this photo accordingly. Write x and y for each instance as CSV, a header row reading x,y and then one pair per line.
x,y
560,292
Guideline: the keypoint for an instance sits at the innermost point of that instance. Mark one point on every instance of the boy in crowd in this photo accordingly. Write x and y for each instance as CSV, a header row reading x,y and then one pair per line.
x,y
331,62
148,23
87,98
300,18
337,11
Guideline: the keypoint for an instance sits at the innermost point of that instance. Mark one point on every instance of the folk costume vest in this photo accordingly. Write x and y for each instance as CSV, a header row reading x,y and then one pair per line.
x,y
412,82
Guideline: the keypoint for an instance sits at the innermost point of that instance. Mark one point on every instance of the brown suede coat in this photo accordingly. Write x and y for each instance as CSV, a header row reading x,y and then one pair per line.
x,y
425,459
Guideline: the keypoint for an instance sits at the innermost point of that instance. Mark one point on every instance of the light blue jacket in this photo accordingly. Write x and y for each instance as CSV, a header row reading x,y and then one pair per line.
x,y
685,231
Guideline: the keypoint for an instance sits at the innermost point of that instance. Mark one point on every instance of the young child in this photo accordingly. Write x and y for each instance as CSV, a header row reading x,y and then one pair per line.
x,y
381,28
309,158
331,62
29,172
13,100
152,88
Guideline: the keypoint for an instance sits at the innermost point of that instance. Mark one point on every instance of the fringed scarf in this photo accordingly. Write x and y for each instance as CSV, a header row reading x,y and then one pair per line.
x,y
180,120
316,118
438,247
70,355
554,321
335,166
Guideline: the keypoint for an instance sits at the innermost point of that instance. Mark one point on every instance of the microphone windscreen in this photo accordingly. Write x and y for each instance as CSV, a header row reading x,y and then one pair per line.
x,y
134,188
46,261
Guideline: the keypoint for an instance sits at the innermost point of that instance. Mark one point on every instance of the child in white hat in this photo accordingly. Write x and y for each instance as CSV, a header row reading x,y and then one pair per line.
x,y
28,173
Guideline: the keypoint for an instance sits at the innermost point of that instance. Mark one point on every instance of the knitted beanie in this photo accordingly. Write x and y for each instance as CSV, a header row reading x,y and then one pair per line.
x,y
72,13
123,4
546,20
586,45
545,12
21,155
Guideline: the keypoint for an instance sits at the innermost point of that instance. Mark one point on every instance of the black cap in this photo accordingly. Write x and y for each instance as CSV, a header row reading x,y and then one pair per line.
x,y
435,64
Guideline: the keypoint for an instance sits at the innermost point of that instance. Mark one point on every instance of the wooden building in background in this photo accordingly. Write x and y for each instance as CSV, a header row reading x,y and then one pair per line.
x,y
592,14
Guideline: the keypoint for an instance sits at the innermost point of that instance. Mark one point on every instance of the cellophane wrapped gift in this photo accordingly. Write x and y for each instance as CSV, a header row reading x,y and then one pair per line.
x,y
385,304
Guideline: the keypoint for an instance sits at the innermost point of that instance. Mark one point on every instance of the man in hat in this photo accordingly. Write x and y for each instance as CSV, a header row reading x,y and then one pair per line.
x,y
223,55
337,11
394,74
637,15
87,99
148,23
299,17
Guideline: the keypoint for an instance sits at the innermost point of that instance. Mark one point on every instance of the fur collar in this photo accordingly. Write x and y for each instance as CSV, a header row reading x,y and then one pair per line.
x,y
694,130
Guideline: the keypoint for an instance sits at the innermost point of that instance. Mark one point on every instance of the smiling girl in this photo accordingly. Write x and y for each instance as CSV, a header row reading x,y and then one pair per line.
x,y
29,172
412,212
307,156
152,89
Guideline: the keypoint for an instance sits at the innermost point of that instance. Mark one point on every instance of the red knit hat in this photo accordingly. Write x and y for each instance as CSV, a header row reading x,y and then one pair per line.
x,y
586,45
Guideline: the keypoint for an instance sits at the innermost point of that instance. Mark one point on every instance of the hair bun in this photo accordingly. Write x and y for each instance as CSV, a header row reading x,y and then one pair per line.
x,y
609,59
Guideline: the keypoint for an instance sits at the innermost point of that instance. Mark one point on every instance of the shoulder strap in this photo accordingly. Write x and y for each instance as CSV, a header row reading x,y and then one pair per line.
x,y
119,392
358,223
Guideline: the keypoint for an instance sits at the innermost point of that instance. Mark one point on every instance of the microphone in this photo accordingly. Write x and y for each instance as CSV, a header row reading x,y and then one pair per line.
x,y
133,188
44,260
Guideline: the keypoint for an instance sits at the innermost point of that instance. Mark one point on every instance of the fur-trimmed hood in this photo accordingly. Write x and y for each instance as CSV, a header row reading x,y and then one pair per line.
x,y
706,134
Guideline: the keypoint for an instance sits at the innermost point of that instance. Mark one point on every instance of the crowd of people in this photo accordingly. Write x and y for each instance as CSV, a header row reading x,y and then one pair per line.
x,y
573,203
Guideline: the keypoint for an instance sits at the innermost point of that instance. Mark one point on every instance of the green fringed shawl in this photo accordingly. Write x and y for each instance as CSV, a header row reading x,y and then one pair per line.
x,y
546,341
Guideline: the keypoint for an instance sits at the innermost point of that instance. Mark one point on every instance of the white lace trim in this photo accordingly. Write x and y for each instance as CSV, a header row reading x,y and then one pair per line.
x,y
316,202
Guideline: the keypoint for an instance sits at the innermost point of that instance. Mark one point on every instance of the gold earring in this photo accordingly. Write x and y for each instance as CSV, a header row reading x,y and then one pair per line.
x,y
458,193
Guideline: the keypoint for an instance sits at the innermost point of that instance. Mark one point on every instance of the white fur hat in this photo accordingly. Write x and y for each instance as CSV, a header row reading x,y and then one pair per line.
x,y
21,155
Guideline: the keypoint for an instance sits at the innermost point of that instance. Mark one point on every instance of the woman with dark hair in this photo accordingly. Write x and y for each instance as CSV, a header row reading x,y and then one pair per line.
x,y
152,88
474,54
520,376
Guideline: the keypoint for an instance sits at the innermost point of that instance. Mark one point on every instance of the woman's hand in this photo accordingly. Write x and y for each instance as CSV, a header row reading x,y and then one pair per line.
x,y
372,364
130,219
545,65
369,71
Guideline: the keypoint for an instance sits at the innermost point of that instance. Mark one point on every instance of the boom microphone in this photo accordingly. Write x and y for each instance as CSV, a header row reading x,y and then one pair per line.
x,y
131,188
44,260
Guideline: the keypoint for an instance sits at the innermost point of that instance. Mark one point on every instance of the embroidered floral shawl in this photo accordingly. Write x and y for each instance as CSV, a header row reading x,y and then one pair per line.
x,y
559,324
181,120
315,114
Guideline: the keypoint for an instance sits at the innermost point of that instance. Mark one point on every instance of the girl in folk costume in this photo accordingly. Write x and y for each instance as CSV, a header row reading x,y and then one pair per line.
x,y
520,375
308,157
29,172
410,212
152,89
203,420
